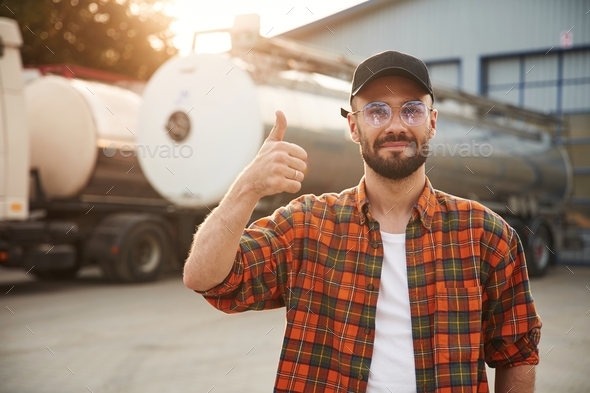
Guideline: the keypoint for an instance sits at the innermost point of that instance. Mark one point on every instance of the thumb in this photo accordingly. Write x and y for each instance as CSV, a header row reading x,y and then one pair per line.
x,y
278,131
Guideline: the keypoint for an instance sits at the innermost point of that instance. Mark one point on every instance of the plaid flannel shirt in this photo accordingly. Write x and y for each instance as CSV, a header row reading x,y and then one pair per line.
x,y
320,257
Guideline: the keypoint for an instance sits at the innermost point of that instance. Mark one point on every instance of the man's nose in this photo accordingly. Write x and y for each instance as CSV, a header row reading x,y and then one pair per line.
x,y
395,125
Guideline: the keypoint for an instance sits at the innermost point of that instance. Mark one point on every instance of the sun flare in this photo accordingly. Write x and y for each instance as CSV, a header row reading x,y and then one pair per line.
x,y
275,17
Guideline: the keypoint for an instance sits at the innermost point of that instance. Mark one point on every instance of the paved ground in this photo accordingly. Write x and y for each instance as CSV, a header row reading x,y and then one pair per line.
x,y
89,335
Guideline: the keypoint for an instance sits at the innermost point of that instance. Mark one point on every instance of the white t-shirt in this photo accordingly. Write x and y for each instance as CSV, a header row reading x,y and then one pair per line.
x,y
392,365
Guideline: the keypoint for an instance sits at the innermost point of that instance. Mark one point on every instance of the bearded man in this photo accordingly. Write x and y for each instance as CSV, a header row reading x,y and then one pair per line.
x,y
390,286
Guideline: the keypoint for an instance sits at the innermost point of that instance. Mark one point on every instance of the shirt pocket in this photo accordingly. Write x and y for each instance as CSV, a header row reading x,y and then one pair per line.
x,y
457,324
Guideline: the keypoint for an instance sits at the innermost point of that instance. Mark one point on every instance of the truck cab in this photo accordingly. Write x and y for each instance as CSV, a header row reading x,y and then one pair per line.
x,y
14,137
25,241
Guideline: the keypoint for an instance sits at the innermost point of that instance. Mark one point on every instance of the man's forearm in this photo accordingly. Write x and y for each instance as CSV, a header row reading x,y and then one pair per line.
x,y
217,240
519,379
278,167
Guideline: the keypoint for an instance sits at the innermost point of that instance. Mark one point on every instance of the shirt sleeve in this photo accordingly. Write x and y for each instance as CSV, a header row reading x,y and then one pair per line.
x,y
511,326
259,273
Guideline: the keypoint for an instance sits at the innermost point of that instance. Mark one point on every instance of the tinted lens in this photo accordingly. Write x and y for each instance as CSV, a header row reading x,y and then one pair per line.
x,y
414,113
377,113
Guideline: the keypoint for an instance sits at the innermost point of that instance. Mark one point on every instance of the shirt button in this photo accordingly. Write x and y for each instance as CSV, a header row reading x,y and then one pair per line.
x,y
374,244
367,331
360,377
370,287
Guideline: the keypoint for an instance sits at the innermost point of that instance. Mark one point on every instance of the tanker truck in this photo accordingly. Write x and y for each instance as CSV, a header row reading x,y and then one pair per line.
x,y
94,174
64,192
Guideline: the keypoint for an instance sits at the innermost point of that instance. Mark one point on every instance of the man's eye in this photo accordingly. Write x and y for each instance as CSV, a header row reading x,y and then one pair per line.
x,y
413,110
377,111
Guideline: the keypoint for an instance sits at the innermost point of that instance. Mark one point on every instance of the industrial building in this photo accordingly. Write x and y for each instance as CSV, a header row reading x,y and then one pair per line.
x,y
529,53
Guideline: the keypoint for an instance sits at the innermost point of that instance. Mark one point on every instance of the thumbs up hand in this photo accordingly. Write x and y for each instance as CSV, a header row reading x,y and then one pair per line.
x,y
279,166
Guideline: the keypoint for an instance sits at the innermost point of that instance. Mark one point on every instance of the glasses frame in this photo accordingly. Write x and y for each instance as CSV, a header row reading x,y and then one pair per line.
x,y
399,112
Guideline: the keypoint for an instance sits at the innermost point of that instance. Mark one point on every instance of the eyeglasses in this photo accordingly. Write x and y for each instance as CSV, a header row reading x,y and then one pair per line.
x,y
378,114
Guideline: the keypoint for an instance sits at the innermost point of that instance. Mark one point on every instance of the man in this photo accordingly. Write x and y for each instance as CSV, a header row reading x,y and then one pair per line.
x,y
390,286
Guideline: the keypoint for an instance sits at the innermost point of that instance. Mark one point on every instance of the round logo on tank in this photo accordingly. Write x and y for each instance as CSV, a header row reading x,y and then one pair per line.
x,y
178,126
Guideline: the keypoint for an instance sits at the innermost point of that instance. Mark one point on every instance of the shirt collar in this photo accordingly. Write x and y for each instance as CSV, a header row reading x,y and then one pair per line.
x,y
425,206
423,209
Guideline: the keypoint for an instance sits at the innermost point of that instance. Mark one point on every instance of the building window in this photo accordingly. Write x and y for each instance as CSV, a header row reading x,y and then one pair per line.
x,y
445,73
556,82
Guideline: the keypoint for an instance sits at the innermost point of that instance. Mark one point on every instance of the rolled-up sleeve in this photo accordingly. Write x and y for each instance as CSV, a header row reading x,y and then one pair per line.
x,y
512,327
259,273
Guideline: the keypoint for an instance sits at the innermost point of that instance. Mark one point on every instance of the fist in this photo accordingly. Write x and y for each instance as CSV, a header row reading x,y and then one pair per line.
x,y
279,166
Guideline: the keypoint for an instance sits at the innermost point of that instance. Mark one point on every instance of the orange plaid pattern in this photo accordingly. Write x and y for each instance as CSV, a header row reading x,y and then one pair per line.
x,y
321,256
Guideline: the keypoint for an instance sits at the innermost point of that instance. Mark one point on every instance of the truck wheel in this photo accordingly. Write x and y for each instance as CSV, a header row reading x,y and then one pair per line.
x,y
538,246
538,251
144,251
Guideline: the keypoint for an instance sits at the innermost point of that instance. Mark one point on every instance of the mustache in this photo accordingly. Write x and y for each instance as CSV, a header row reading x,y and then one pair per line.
x,y
393,138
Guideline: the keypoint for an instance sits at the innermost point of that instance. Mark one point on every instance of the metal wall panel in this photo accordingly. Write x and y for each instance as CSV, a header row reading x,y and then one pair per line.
x,y
576,64
541,68
543,99
576,98
576,75
463,29
503,71
558,82
446,74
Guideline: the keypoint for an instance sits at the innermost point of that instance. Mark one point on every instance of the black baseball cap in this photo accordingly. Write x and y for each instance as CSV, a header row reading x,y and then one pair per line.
x,y
389,63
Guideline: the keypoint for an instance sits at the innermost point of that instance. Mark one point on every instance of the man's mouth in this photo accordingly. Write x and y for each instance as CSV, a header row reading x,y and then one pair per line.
x,y
395,145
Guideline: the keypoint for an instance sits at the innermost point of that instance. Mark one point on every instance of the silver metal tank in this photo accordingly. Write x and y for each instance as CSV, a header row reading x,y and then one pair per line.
x,y
221,108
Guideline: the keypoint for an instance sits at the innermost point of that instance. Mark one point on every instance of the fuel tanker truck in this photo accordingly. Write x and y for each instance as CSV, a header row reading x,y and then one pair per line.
x,y
95,174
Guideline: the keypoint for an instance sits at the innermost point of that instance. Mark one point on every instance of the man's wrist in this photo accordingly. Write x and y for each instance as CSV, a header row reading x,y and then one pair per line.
x,y
244,193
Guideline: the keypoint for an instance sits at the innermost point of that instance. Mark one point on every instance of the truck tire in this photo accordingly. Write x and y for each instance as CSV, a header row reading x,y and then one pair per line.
x,y
539,254
537,243
131,247
144,251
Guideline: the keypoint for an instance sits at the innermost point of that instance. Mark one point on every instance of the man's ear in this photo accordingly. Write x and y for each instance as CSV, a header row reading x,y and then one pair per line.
x,y
432,122
353,128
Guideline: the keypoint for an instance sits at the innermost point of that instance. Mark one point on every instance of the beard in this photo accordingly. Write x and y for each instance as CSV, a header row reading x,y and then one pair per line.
x,y
398,164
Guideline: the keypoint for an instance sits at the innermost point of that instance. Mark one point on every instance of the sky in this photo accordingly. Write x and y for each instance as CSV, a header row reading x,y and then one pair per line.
x,y
276,16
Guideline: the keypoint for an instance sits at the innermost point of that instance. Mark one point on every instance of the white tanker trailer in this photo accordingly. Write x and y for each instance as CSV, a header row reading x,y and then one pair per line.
x,y
125,187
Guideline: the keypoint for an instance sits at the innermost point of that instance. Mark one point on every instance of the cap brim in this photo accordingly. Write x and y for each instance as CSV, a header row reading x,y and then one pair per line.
x,y
392,71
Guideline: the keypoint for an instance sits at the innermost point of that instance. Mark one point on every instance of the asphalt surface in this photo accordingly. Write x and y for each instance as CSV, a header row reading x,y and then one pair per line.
x,y
89,335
